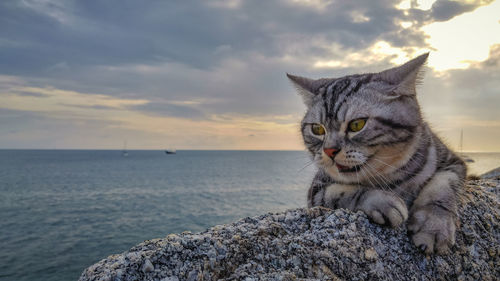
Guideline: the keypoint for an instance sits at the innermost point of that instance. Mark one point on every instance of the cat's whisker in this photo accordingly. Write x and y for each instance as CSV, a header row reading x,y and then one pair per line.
x,y
375,175
357,177
307,165
387,182
367,177
403,192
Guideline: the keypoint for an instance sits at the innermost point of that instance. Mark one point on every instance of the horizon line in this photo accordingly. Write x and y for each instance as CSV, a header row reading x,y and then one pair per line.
x,y
196,149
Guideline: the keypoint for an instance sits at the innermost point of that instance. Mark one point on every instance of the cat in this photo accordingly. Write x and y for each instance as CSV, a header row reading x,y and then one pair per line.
x,y
375,153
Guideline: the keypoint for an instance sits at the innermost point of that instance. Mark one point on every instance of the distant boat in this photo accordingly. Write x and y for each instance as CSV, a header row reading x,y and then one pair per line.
x,y
467,158
124,151
170,151
462,155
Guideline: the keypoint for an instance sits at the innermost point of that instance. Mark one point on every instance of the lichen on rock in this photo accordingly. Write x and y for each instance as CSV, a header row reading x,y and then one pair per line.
x,y
316,244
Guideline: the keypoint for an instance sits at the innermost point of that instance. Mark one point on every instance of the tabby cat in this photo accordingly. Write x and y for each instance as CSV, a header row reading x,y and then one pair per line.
x,y
375,153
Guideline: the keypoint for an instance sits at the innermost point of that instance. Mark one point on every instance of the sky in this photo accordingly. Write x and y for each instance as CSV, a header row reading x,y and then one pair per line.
x,y
210,74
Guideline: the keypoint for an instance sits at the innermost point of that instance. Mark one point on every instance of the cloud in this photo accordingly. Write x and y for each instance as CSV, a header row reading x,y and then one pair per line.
x,y
493,61
169,109
54,39
53,35
443,10
465,99
30,94
464,39
68,119
50,99
28,129
95,106
213,65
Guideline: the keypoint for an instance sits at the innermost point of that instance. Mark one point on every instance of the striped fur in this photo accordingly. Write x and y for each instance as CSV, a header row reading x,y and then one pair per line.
x,y
395,167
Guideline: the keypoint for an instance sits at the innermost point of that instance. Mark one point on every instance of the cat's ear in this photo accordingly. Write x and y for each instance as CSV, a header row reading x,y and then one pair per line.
x,y
307,88
405,77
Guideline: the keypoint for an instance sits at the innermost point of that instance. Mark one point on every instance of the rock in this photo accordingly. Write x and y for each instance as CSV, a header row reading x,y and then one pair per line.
x,y
148,266
371,254
493,174
316,243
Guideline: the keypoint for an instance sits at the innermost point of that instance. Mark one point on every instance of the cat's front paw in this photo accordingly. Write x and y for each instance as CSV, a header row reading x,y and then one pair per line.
x,y
384,207
433,230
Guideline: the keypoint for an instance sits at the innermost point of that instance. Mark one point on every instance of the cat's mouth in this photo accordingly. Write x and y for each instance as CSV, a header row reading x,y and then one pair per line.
x,y
346,169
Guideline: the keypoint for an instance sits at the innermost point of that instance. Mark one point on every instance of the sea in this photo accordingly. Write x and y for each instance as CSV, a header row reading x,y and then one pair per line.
x,y
63,210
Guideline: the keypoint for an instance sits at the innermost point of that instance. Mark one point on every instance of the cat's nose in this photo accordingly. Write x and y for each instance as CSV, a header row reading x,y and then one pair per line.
x,y
331,152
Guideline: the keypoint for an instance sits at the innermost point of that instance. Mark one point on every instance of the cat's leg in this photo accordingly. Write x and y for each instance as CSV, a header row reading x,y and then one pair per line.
x,y
433,215
381,206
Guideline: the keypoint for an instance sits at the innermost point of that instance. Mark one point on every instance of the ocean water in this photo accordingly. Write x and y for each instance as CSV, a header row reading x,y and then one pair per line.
x,y
483,162
63,210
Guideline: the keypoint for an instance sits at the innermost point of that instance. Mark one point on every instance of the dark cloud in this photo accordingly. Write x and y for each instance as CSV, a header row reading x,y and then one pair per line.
x,y
97,106
443,10
405,38
30,94
48,36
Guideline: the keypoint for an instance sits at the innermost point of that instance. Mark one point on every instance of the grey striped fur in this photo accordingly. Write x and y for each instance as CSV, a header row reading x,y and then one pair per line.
x,y
399,168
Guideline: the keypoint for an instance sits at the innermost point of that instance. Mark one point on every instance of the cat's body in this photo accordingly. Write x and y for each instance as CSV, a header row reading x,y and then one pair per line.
x,y
375,153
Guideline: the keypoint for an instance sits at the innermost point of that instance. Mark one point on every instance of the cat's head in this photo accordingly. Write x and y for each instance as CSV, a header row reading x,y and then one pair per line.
x,y
361,127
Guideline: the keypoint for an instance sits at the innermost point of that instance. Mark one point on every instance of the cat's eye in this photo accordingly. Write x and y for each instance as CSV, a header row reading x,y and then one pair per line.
x,y
357,125
318,129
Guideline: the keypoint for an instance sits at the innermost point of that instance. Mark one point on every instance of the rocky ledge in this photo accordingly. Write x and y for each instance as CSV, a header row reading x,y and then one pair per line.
x,y
316,244
493,174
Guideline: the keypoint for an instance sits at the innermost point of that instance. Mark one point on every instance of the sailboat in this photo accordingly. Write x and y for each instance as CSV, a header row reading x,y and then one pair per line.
x,y
124,151
462,155
170,151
